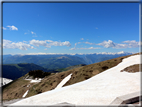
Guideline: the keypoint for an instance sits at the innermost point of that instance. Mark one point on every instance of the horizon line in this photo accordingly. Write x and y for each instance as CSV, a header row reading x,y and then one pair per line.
x,y
121,52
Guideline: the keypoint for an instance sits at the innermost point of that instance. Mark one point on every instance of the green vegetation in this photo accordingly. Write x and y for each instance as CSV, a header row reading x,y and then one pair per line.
x,y
38,73
19,69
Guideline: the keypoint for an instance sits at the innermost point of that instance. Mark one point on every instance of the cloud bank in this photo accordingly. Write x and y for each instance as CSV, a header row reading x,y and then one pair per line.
x,y
24,45
49,43
111,44
19,45
125,44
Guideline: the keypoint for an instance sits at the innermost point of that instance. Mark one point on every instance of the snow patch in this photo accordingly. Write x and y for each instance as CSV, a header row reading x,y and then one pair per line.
x,y
4,81
63,81
34,80
25,93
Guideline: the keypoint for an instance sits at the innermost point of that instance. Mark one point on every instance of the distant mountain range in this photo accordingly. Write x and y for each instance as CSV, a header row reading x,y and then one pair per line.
x,y
49,62
98,57
57,61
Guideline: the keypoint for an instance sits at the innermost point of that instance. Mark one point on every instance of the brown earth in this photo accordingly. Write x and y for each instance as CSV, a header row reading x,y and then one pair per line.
x,y
17,88
133,68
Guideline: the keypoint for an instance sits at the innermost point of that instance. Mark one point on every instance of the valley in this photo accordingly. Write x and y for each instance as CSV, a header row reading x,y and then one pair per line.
x,y
15,71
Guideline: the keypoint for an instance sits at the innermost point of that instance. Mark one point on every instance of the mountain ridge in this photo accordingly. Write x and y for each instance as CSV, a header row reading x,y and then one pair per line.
x,y
50,82
57,61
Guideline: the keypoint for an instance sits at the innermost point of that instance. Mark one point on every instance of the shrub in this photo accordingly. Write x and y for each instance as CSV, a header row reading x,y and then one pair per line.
x,y
38,73
105,67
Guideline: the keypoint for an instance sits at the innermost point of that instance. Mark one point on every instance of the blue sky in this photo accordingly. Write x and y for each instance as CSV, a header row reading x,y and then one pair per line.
x,y
70,27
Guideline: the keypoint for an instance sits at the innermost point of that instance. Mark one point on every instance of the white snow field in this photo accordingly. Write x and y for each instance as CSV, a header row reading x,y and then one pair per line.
x,y
101,89
4,81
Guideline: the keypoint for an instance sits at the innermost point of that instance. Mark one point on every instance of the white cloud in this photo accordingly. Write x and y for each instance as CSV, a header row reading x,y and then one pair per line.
x,y
48,45
128,41
132,44
73,48
39,43
89,43
3,28
119,46
77,43
66,43
12,27
19,45
96,28
49,40
107,44
85,48
91,48
82,39
6,43
24,45
81,48
33,32
55,43
126,44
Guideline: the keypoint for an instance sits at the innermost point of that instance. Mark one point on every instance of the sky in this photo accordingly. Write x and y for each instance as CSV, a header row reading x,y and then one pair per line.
x,y
70,27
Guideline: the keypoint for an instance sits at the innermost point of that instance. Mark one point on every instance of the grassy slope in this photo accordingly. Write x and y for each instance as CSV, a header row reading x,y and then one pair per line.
x,y
69,68
50,82
15,89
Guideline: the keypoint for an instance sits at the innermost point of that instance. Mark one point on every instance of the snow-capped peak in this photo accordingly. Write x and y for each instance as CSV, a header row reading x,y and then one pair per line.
x,y
109,53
